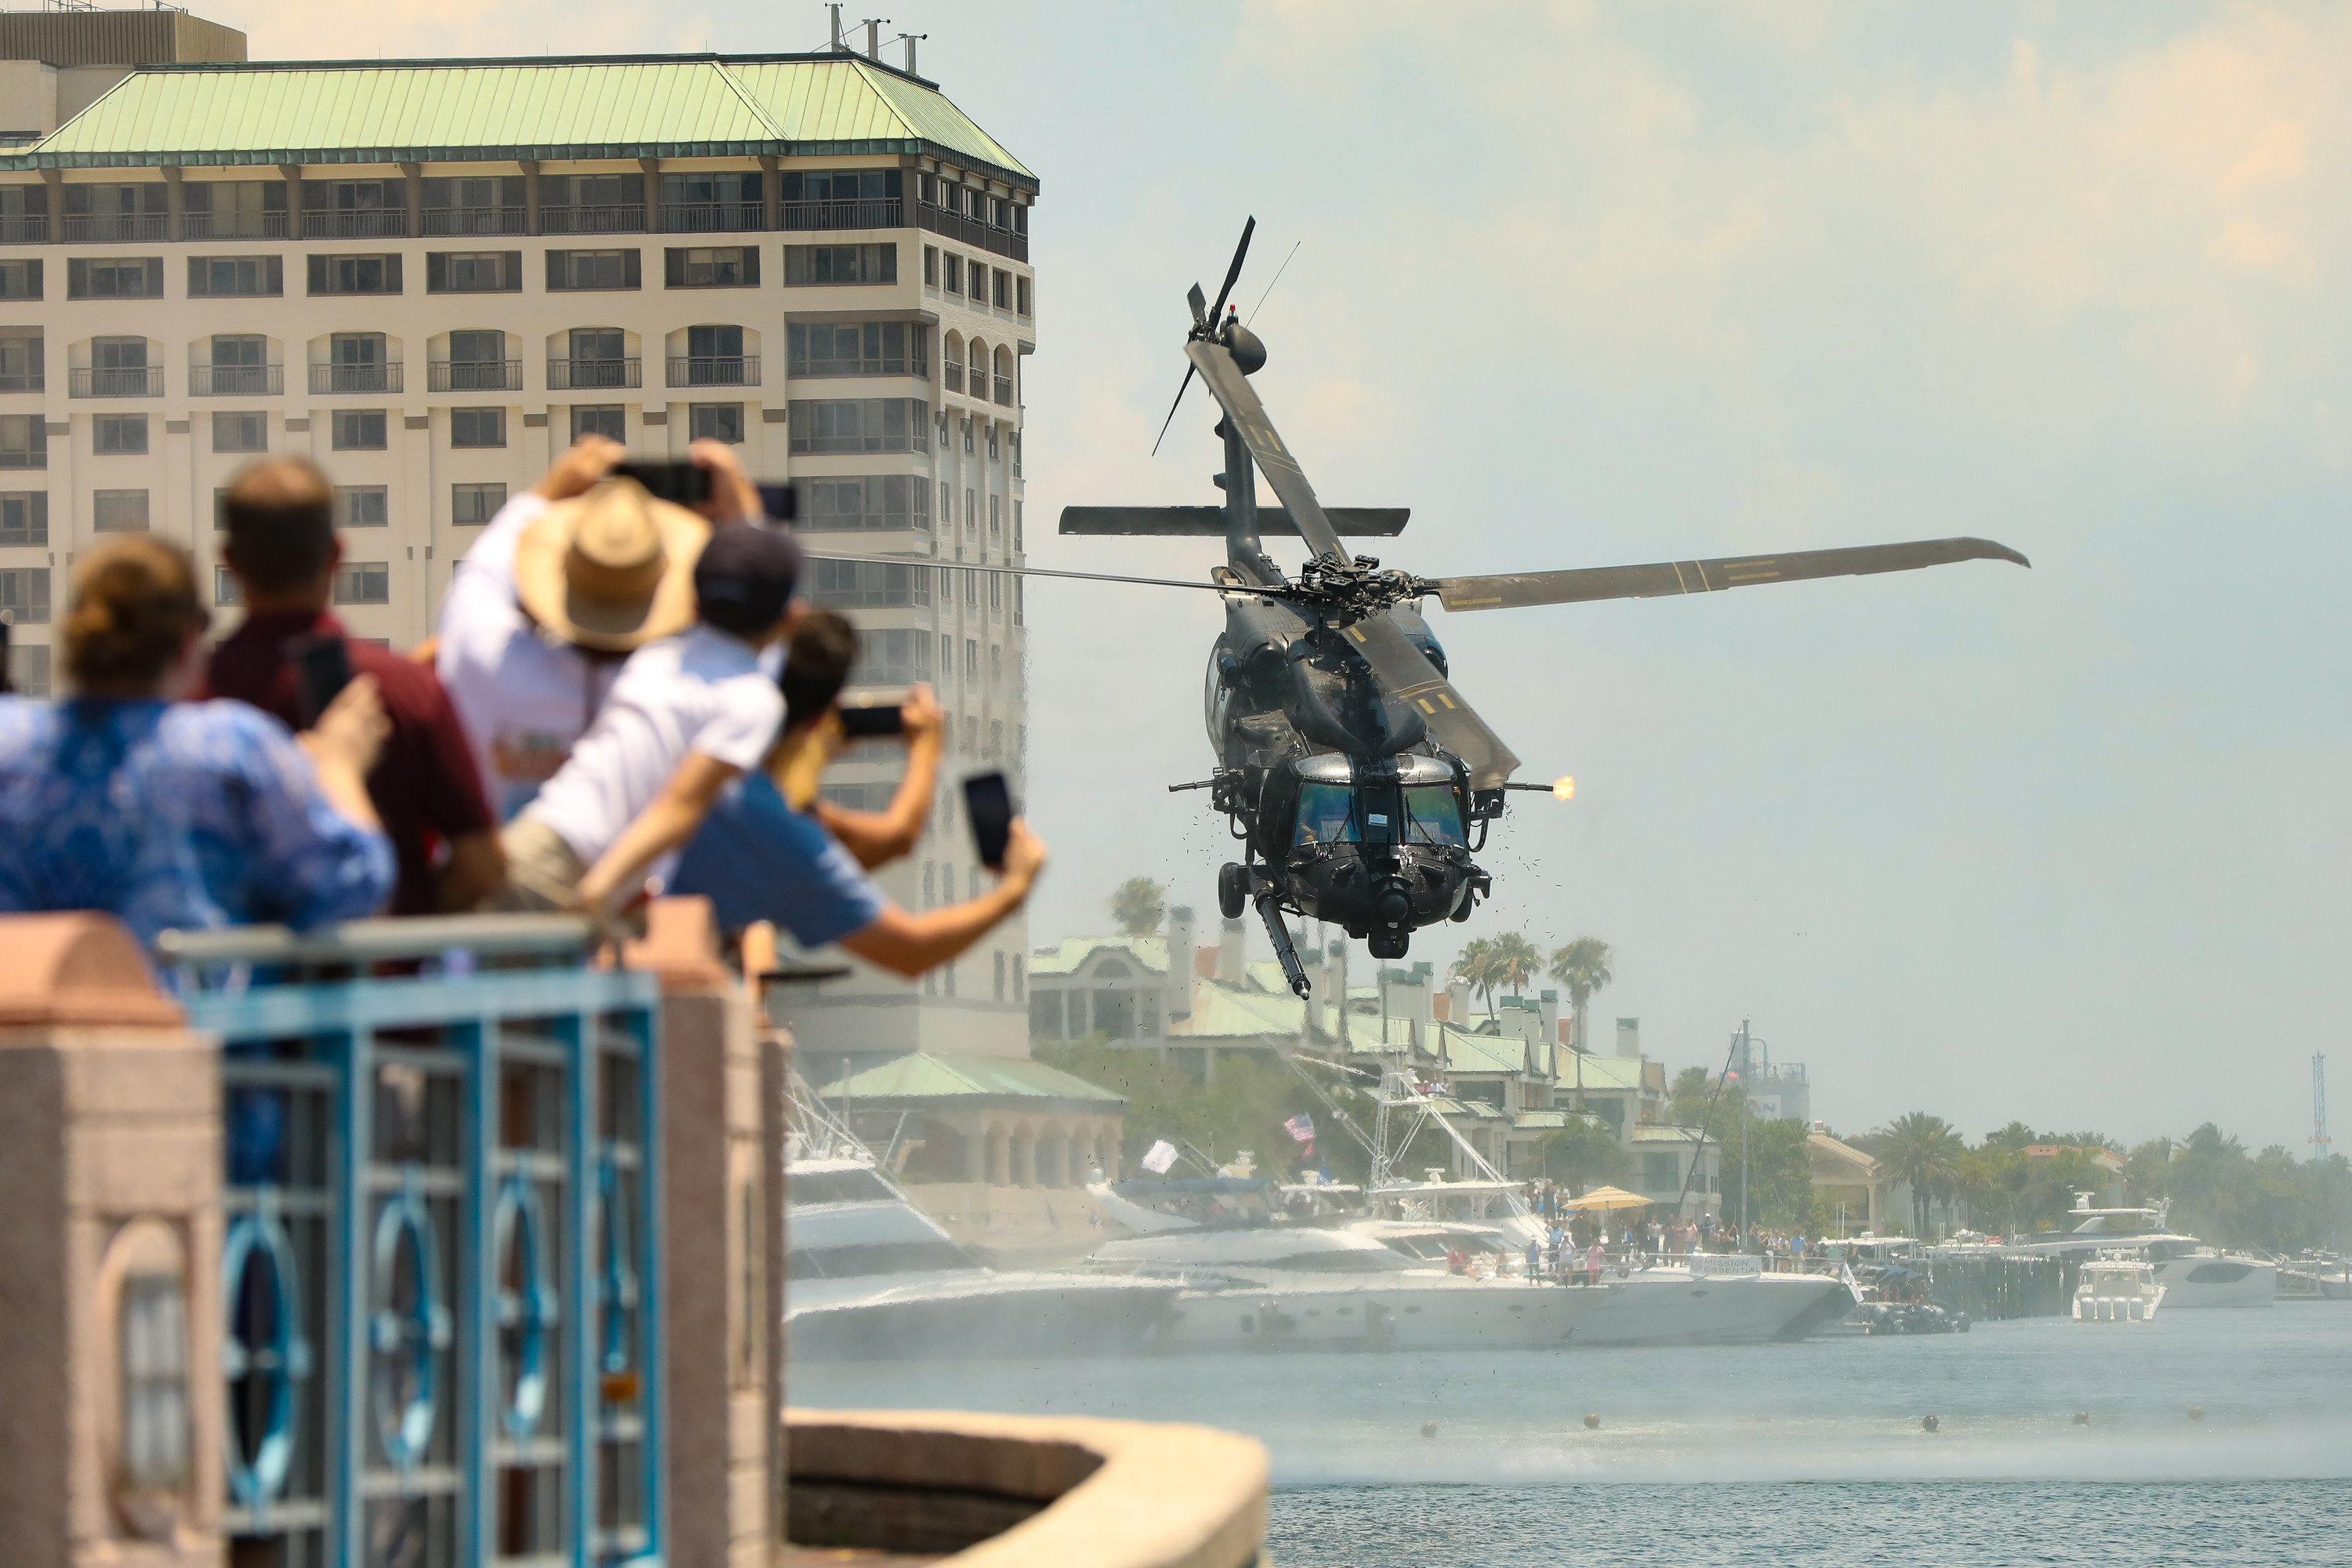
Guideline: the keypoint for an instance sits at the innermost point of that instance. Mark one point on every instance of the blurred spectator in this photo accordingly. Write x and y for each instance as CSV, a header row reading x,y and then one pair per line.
x,y
281,548
689,714
756,858
180,814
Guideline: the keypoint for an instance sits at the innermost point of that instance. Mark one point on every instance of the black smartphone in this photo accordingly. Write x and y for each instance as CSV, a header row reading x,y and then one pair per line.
x,y
989,802
687,484
873,715
322,667
781,502
6,686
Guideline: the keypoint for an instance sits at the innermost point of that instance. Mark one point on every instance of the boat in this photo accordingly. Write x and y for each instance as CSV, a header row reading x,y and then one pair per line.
x,y
2192,1273
2117,1287
869,1277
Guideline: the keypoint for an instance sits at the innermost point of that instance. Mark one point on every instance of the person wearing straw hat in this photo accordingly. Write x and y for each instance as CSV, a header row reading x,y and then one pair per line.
x,y
544,609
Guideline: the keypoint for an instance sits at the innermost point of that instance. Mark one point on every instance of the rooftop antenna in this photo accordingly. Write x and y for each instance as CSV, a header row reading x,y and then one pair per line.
x,y
838,46
910,40
2318,1109
873,36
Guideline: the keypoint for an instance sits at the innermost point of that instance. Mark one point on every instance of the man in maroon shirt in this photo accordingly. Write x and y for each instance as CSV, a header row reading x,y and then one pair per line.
x,y
281,548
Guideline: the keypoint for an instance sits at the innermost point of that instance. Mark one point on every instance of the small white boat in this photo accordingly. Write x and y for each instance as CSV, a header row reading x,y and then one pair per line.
x,y
2116,1288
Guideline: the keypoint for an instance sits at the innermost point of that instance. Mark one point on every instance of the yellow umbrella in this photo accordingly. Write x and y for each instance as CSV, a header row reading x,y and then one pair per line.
x,y
1608,1199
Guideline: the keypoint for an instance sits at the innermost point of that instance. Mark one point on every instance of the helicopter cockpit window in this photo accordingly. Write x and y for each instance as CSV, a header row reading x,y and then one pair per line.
x,y
1327,814
1435,815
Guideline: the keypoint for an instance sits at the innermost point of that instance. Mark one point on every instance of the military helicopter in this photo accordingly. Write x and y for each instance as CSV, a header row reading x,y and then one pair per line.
x,y
1358,780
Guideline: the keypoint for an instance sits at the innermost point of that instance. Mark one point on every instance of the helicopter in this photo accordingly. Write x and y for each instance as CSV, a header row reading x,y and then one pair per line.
x,y
1358,780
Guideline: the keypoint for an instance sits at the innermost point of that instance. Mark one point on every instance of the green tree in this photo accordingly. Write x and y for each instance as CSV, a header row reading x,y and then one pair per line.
x,y
1138,904
1475,967
1585,1153
1515,961
1779,1169
1923,1151
1243,1108
1583,967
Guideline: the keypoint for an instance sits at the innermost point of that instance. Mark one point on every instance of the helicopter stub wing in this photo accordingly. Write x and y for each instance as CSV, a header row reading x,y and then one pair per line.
x,y
1516,590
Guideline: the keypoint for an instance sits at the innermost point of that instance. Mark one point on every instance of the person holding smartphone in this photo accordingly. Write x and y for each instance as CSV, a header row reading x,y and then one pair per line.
x,y
758,858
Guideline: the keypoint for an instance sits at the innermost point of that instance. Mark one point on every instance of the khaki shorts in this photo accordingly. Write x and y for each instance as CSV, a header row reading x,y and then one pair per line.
x,y
541,870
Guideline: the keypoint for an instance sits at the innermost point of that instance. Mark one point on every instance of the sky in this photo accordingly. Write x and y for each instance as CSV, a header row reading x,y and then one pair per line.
x,y
1588,284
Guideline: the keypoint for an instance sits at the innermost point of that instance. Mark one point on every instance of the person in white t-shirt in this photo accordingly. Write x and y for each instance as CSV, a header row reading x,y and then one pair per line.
x,y
689,714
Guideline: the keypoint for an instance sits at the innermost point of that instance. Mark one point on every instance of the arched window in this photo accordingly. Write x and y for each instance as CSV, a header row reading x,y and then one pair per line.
x,y
1005,375
978,369
952,361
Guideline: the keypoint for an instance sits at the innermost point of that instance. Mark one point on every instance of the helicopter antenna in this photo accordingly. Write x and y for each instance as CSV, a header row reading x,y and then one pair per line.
x,y
1276,279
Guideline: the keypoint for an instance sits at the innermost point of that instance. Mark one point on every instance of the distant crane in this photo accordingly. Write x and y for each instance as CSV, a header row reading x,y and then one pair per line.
x,y
2318,1107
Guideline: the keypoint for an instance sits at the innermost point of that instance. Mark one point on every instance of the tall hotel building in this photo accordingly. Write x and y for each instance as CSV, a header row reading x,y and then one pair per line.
x,y
430,276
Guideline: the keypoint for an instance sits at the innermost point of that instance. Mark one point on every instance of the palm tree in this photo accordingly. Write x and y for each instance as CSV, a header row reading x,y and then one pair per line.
x,y
1137,904
1584,1153
1583,967
1925,1151
1516,961
1473,966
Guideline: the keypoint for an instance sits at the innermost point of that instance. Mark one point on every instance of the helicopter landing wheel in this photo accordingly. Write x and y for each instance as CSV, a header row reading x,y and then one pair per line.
x,y
1233,890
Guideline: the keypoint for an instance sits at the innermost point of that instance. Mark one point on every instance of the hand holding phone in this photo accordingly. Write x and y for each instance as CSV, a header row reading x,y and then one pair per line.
x,y
873,715
686,484
322,667
988,801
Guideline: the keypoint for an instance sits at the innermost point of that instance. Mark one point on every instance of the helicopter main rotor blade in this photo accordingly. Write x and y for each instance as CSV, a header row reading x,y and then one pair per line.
x,y
1042,571
1247,414
1232,273
1516,590
1405,671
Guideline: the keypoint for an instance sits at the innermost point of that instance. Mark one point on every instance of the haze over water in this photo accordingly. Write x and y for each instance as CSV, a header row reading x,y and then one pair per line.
x,y
1811,1452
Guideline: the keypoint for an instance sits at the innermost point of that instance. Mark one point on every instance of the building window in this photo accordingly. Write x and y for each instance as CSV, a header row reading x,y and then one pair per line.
x,y
967,446
364,583
355,274
1021,298
235,277
118,435
970,655
115,277
233,209
240,367
354,209
976,283
363,506
971,509
869,584
605,420
870,501
1002,297
473,271
358,430
859,424
119,512
859,348
931,264
592,204
814,264
24,365
713,266
24,591
996,651
476,204
712,201
24,517
1017,505
715,422
470,506
24,441
20,280
224,594
995,592
971,602
994,454
892,657
477,427
573,270
28,670
153,1324
241,432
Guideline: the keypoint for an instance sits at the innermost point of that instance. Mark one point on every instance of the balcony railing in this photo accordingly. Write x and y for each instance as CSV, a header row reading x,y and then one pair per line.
x,y
592,374
475,220
24,458
233,225
369,223
138,381
972,231
740,369
105,228
25,228
713,217
604,218
22,381
357,377
235,380
880,213
474,375
1004,390
953,376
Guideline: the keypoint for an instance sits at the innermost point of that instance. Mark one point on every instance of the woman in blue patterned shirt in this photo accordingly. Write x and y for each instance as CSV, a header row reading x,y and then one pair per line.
x,y
180,814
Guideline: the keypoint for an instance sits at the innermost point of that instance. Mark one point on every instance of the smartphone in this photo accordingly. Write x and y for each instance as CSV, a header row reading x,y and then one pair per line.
x,y
322,667
687,484
871,716
7,619
781,502
989,802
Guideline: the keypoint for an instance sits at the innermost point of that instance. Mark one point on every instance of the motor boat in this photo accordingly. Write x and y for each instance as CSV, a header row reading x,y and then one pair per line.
x,y
2192,1273
2117,1286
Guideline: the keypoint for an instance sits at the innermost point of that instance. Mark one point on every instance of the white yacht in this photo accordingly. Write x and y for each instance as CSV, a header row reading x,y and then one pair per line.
x,y
2192,1274
869,1277
2115,1287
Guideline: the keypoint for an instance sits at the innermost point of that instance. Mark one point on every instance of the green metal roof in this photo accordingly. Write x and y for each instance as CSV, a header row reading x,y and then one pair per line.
x,y
925,1076
1066,956
368,111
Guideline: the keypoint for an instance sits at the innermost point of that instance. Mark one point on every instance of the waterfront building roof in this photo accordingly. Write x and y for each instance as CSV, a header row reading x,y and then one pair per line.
x,y
968,1080
552,108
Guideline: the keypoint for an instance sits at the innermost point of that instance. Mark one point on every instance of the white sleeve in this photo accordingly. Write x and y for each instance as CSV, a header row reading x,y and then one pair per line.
x,y
491,559
743,722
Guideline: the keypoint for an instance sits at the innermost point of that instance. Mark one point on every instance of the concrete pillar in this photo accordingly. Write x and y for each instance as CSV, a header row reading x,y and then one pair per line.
x,y
771,211
1024,1160
999,1157
110,1161
292,175
411,184
975,1157
530,196
1232,954
175,205
1178,1003
652,166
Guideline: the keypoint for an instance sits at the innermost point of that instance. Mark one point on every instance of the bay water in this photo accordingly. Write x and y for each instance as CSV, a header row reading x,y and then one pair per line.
x,y
2213,1437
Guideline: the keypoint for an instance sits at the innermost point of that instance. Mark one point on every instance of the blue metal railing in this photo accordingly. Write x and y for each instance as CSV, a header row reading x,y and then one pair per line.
x,y
441,1190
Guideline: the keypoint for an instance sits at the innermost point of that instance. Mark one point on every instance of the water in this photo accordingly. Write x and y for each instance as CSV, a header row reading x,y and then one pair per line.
x,y
1805,1453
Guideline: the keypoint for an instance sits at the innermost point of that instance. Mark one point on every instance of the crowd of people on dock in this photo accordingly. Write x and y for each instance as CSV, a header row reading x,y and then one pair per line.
x,y
622,695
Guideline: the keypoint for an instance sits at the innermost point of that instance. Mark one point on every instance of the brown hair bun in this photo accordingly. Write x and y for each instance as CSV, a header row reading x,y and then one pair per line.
x,y
134,607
